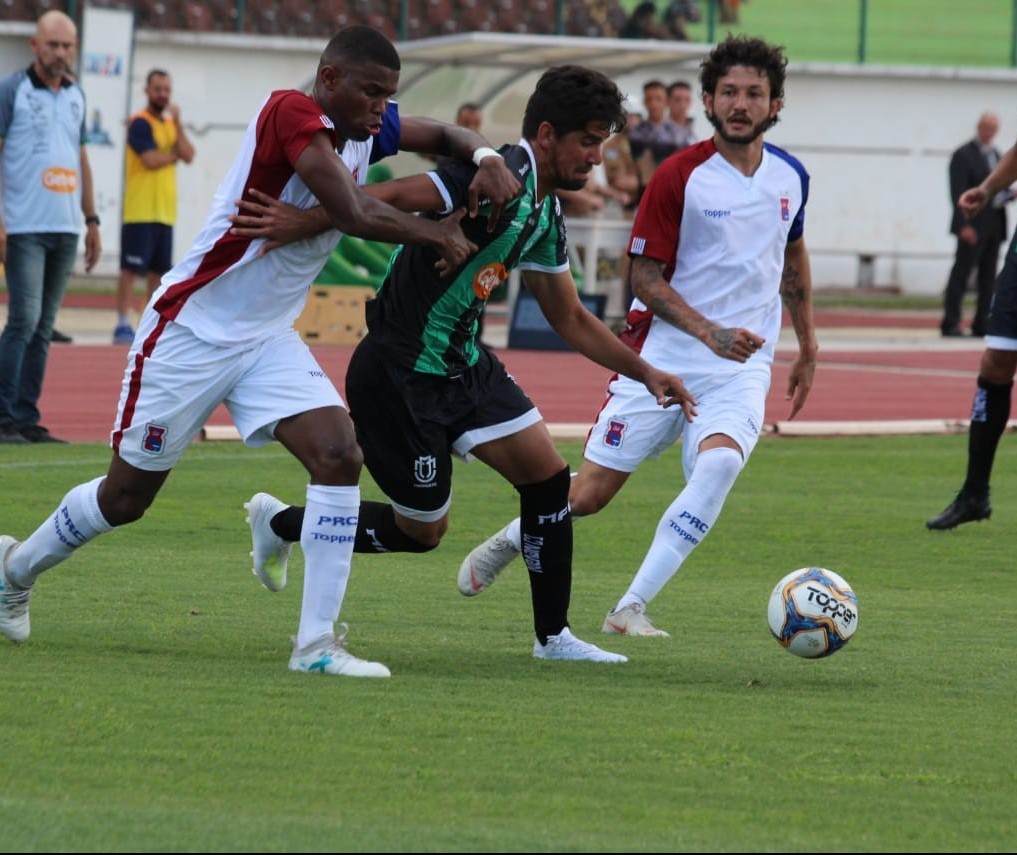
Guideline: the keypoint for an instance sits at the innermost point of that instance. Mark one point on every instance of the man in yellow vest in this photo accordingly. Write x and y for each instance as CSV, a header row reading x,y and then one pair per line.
x,y
155,142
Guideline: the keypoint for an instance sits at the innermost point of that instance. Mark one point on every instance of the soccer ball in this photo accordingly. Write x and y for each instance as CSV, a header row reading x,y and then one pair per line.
x,y
813,612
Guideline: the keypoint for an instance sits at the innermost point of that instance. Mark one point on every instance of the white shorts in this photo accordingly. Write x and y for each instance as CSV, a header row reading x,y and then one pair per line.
x,y
174,381
632,426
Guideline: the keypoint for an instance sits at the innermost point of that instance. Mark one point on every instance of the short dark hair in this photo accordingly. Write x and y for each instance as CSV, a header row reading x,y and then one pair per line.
x,y
155,72
654,84
361,43
678,84
569,97
747,51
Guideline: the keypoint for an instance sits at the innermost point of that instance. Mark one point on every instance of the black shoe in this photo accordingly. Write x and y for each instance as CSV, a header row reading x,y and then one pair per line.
x,y
9,435
952,332
963,509
37,433
977,334
59,338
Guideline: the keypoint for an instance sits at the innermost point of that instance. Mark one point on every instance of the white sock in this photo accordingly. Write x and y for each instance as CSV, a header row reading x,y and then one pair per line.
x,y
514,533
123,320
326,538
685,523
76,521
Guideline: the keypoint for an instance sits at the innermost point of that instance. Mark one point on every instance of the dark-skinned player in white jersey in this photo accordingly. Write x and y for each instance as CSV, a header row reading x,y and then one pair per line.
x,y
219,330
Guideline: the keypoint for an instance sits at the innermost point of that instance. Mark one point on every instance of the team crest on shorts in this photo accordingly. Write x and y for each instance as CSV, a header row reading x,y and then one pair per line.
x,y
425,470
614,436
154,440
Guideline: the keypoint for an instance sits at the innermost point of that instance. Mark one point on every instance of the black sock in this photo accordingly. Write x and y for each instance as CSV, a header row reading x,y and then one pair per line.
x,y
376,529
989,415
546,529
288,522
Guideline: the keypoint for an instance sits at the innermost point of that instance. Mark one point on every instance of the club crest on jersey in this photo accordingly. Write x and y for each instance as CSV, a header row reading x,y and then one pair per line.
x,y
425,470
614,436
489,277
154,440
785,208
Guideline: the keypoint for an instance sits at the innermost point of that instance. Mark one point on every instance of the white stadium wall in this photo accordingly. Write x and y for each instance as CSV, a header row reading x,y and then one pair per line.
x,y
876,140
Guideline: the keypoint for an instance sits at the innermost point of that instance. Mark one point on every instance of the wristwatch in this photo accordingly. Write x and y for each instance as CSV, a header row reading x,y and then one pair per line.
x,y
92,219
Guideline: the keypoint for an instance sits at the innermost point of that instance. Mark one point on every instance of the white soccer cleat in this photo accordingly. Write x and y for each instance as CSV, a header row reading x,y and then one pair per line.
x,y
270,553
483,565
566,646
631,620
14,621
328,655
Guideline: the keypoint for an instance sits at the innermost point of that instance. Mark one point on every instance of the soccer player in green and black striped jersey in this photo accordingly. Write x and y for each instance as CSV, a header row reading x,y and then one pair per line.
x,y
422,388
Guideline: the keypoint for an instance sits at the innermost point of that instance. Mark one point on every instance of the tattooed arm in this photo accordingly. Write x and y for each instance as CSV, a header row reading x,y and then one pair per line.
x,y
649,285
796,292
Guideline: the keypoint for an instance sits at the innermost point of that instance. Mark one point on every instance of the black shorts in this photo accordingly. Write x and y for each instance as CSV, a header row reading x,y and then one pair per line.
x,y
409,424
1003,314
146,247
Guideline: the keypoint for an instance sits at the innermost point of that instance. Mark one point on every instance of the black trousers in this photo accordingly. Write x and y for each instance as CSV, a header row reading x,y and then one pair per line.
x,y
984,258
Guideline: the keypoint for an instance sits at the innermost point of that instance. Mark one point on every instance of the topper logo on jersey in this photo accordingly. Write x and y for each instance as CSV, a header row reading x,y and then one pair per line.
x,y
489,277
715,213
425,470
615,433
785,208
154,440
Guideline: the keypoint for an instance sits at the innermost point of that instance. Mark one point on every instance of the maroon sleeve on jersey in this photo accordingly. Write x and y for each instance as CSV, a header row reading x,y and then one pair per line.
x,y
658,219
288,122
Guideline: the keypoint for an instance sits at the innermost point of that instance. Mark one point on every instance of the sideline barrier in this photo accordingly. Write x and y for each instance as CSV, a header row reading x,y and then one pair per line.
x,y
578,431
335,315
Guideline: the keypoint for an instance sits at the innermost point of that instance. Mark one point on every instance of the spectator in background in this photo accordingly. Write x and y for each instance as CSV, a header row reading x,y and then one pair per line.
x,y
655,138
470,115
156,141
643,23
620,166
676,16
591,200
729,11
979,237
679,122
47,187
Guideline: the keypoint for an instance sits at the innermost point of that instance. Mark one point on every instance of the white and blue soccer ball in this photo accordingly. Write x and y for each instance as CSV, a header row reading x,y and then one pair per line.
x,y
813,612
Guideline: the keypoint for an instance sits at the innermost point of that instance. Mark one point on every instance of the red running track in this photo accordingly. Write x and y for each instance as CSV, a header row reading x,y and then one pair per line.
x,y
924,383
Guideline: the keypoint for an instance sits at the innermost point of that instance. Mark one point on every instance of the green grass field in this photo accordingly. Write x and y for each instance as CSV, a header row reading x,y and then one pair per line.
x,y
911,32
152,709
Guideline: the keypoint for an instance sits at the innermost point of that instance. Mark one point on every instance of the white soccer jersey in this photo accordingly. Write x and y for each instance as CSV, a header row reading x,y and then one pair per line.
x,y
222,290
722,236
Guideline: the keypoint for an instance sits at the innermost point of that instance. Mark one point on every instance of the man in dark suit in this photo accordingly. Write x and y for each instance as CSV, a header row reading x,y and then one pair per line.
x,y
978,238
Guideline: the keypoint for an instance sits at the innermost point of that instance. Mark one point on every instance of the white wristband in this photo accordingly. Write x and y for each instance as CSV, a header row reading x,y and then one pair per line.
x,y
482,152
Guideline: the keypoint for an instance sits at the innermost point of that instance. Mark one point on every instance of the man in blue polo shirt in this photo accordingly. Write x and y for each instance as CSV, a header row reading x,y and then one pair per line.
x,y
46,187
